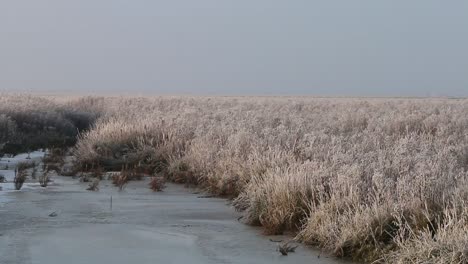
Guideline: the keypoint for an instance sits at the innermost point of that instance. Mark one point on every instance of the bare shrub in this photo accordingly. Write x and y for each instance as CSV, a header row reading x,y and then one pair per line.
x,y
157,184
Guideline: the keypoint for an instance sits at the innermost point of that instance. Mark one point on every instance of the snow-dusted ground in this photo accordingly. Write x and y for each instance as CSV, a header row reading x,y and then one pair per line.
x,y
7,169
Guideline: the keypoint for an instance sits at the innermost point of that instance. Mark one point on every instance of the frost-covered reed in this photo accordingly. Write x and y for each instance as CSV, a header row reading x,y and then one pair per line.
x,y
373,179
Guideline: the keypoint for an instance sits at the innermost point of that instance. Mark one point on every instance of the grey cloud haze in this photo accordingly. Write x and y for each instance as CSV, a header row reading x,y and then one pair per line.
x,y
368,47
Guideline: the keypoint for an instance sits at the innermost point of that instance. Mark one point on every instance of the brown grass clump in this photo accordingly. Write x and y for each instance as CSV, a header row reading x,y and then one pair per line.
x,y
157,184
372,179
179,172
275,200
121,180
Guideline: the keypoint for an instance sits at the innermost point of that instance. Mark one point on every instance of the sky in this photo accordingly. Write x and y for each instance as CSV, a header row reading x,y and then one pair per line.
x,y
235,47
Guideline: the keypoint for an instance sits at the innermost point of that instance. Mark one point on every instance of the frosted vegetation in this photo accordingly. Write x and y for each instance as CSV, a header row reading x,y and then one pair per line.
x,y
28,123
372,179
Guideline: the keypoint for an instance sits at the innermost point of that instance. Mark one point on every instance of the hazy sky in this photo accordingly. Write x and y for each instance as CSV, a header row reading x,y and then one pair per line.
x,y
329,47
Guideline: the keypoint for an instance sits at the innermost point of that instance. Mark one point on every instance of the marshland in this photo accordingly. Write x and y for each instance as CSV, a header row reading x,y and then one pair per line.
x,y
371,180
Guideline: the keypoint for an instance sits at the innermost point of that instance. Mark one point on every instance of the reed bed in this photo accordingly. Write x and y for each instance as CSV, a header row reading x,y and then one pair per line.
x,y
376,180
